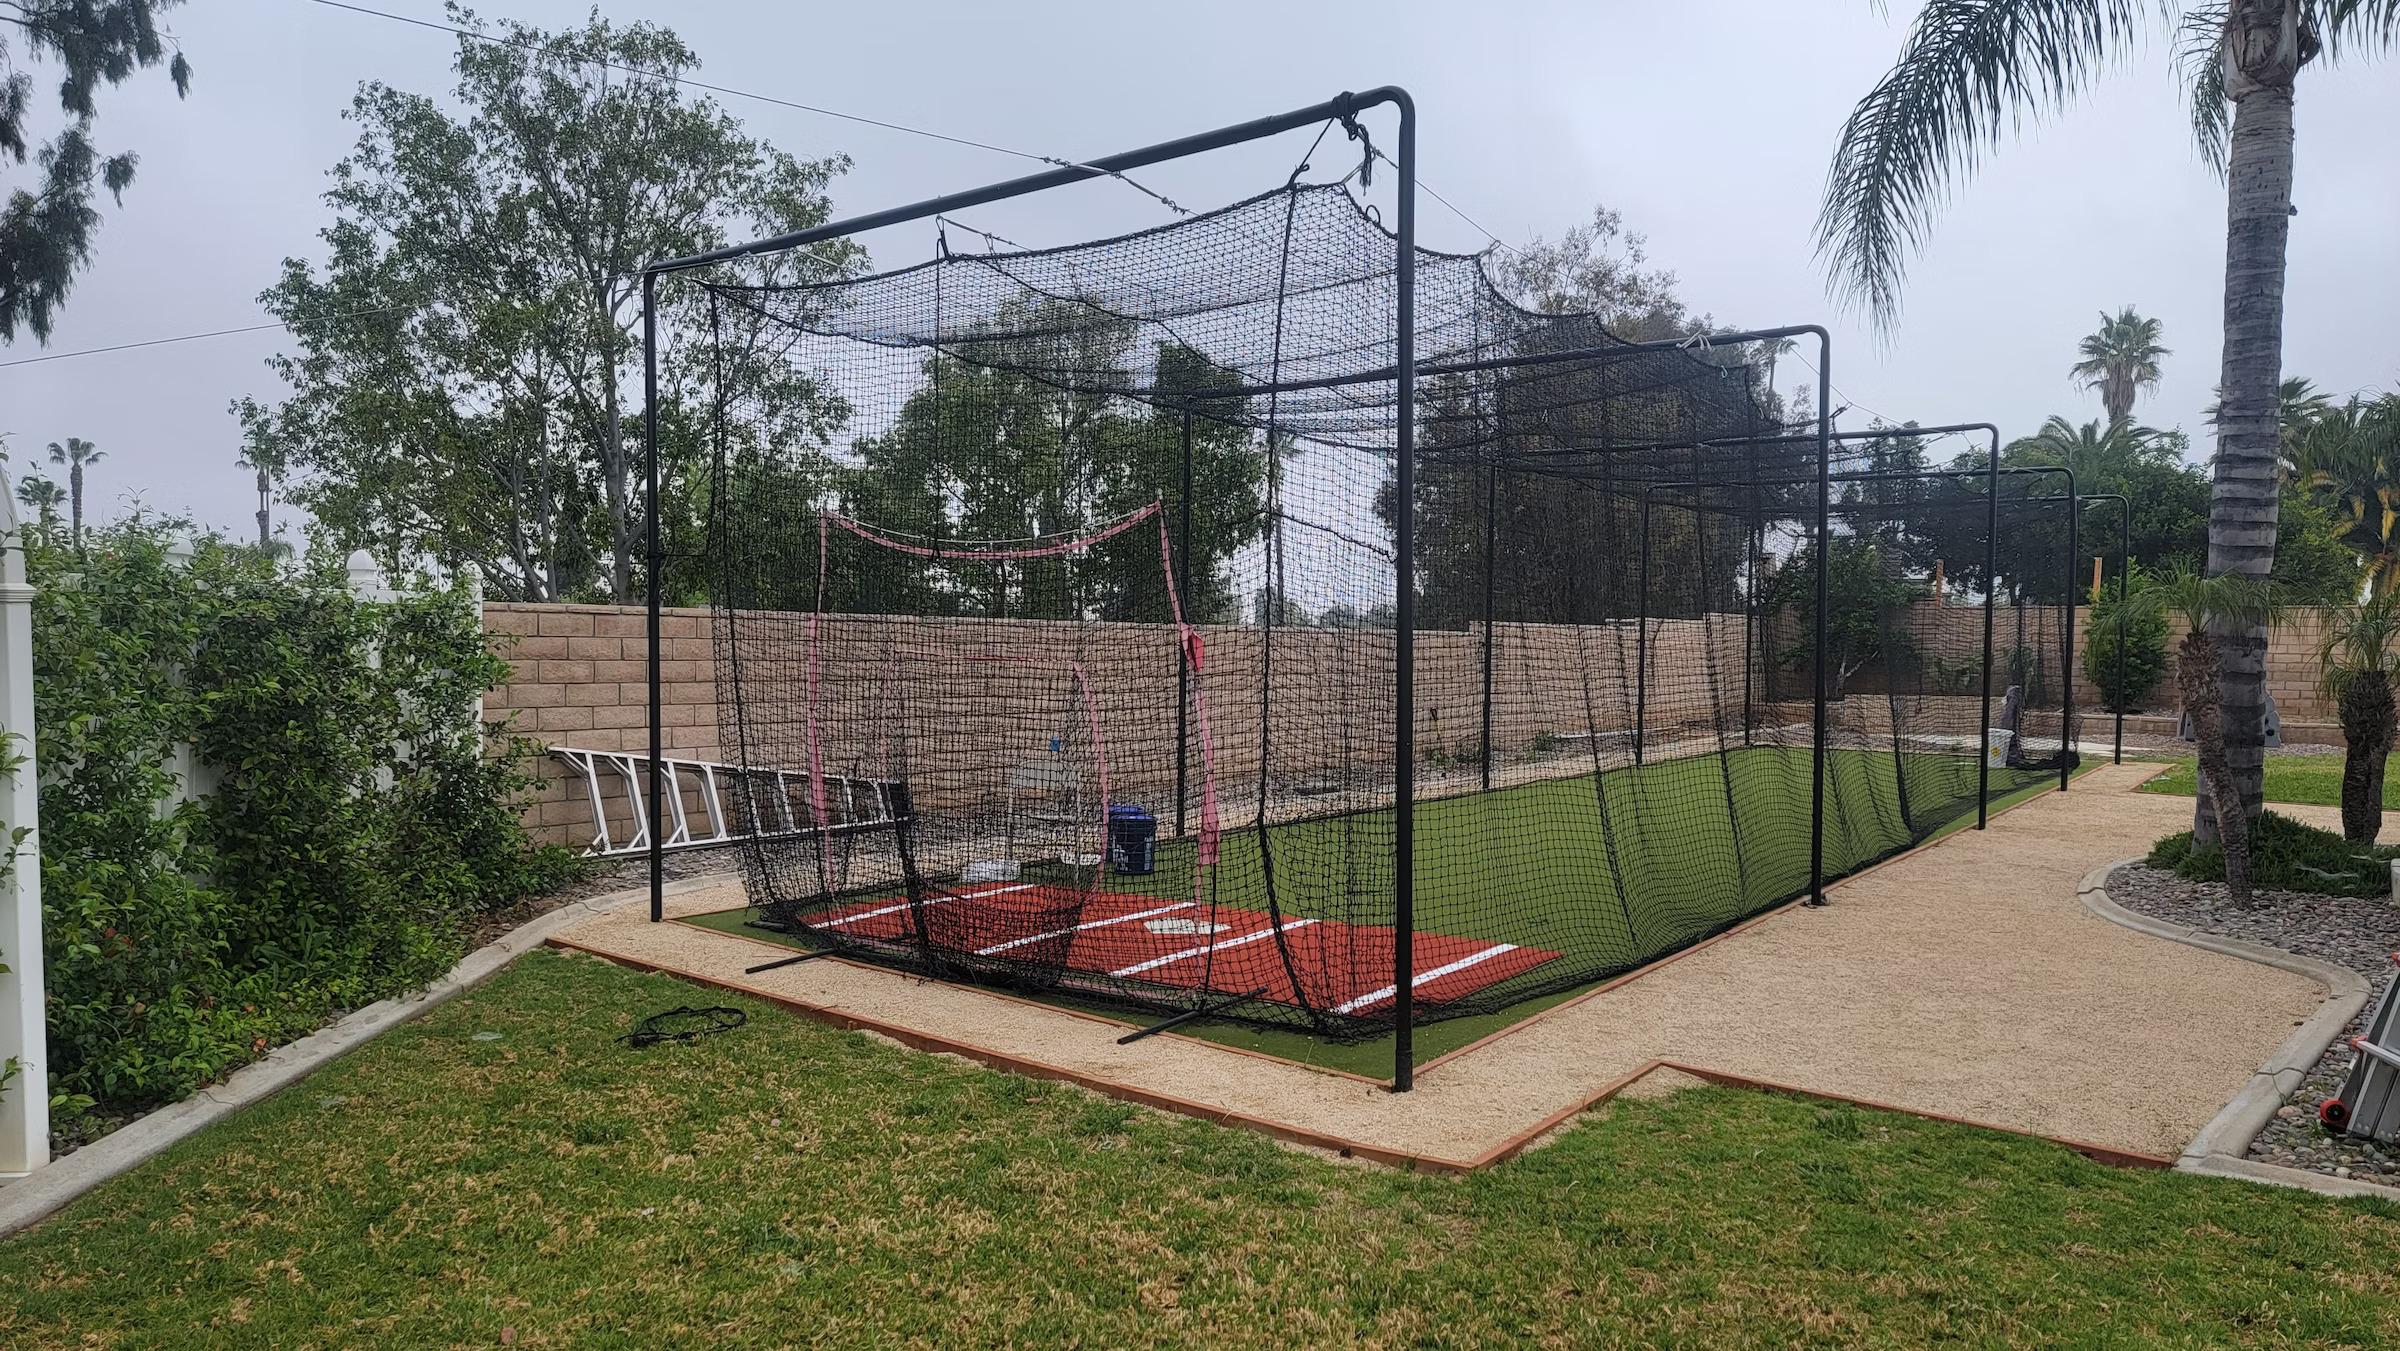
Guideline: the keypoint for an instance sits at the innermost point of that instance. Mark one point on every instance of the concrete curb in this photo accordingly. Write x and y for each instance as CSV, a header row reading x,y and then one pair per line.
x,y
2219,1149
36,1195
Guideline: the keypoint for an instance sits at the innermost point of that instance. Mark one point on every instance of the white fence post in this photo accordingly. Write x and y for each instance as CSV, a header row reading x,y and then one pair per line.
x,y
25,1100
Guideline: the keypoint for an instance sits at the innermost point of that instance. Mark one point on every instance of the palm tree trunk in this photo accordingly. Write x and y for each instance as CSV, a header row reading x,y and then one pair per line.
x,y
75,494
2243,500
265,536
2198,676
2367,727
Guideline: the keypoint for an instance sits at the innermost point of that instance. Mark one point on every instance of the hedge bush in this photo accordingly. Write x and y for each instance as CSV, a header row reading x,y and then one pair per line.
x,y
342,829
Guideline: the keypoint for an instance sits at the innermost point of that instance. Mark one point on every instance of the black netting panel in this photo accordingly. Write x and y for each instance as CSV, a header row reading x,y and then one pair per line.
x,y
1054,606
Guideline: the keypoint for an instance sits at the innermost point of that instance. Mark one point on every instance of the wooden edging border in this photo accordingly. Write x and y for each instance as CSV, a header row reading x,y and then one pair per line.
x,y
1289,1133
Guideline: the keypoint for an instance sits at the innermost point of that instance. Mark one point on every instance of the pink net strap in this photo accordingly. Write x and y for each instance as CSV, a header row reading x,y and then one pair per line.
x,y
1190,638
1000,555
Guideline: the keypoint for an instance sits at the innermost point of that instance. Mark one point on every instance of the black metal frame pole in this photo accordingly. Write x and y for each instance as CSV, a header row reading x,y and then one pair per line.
x,y
1181,581
1991,589
1641,641
1404,452
2067,740
1339,106
2124,581
651,625
1491,579
1816,796
1754,640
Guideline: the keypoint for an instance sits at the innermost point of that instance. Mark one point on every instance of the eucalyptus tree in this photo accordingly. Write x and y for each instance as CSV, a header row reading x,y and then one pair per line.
x,y
48,220
467,367
1971,72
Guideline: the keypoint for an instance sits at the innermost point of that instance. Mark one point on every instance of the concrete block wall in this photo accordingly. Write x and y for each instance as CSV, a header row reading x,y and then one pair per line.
x,y
578,679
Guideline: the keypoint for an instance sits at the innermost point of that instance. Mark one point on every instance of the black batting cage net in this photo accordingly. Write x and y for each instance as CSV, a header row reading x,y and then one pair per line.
x,y
1057,624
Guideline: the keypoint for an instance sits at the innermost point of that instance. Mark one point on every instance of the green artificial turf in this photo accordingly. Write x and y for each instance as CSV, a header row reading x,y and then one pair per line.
x,y
505,1172
1522,865
2301,780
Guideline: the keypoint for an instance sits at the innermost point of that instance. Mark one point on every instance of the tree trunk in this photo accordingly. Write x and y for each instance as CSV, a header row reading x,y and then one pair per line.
x,y
265,536
2367,725
2264,50
75,496
2198,678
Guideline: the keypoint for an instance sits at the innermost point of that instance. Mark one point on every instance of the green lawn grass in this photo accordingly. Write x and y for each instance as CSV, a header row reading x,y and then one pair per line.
x,y
504,1171
1524,865
2304,780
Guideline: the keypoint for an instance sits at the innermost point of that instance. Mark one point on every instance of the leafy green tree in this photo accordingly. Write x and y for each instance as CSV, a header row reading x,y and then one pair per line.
x,y
982,451
1972,71
488,413
1866,593
2142,631
2120,359
2313,565
47,222
75,453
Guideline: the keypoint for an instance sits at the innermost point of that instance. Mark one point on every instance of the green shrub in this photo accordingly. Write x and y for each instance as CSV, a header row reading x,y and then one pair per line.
x,y
2287,855
344,828
2145,654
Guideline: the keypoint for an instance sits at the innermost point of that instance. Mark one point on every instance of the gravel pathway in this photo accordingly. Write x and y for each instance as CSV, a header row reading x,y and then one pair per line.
x,y
2347,931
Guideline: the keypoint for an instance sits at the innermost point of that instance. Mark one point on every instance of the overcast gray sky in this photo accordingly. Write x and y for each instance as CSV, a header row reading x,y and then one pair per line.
x,y
1707,125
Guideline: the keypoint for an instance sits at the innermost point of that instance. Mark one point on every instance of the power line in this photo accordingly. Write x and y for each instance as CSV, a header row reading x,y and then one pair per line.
x,y
189,337
731,92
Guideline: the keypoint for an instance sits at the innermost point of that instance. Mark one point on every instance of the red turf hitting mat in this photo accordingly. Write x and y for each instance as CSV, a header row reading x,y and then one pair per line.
x,y
1339,968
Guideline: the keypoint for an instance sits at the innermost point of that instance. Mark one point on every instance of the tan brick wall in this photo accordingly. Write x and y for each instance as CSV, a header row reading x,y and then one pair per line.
x,y
578,677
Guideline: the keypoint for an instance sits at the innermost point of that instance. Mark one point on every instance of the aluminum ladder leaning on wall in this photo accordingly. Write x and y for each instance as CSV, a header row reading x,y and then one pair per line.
x,y
762,803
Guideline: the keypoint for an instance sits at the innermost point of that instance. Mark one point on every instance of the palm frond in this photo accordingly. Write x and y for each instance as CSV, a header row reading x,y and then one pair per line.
x,y
2354,27
2200,53
1971,72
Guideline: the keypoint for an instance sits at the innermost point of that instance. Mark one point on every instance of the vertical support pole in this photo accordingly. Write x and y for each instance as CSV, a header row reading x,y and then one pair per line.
x,y
1183,656
1641,641
2066,645
1404,566
1991,590
2124,562
656,556
1491,573
24,1038
1824,580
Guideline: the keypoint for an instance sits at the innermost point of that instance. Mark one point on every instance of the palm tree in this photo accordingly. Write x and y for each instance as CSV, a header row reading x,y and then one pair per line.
x,y
2348,460
2360,665
2210,606
75,454
2120,359
266,460
44,497
1973,70
2119,446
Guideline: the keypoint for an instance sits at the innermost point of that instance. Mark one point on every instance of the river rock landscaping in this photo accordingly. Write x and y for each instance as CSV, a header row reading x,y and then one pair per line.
x,y
2354,932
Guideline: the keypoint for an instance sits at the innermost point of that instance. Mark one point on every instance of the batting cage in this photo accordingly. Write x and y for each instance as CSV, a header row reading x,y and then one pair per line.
x,y
1264,618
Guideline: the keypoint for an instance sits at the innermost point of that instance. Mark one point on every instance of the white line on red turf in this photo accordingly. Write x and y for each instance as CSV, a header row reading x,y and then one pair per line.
x,y
1079,928
1170,959
903,905
1423,978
